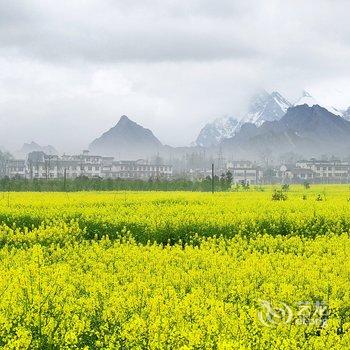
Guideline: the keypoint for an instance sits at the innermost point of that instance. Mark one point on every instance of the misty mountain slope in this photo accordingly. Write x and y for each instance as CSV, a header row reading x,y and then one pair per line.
x,y
317,122
346,114
252,141
262,107
35,147
308,99
126,140
213,133
266,107
310,131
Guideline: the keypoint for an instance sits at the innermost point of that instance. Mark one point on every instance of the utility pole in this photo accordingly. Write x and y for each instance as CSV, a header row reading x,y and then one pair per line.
x,y
46,169
30,170
212,178
48,166
65,179
220,160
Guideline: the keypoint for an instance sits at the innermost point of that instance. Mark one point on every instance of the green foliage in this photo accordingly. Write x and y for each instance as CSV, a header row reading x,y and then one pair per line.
x,y
226,181
279,195
83,183
307,185
285,187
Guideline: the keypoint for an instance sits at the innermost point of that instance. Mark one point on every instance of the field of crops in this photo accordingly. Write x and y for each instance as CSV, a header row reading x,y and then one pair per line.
x,y
137,270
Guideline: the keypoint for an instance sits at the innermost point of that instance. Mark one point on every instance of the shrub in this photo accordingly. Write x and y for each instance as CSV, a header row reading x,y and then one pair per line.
x,y
279,195
307,185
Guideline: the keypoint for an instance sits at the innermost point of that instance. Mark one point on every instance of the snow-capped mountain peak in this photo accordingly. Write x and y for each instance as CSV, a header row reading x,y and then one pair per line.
x,y
263,107
266,107
306,94
213,133
307,99
281,101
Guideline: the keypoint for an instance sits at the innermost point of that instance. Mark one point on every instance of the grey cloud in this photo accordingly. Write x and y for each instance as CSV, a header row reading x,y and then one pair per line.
x,y
109,33
155,31
171,65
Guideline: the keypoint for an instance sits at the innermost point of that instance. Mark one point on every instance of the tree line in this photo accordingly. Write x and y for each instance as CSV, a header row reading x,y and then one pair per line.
x,y
83,183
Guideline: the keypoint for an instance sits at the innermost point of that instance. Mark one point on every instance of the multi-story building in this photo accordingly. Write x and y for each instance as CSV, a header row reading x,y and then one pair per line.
x,y
42,166
327,171
85,165
138,169
245,172
16,168
290,174
318,171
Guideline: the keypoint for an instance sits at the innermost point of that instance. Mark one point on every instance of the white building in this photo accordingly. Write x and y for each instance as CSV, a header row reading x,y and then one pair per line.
x,y
289,174
138,169
318,171
16,168
41,166
327,171
245,172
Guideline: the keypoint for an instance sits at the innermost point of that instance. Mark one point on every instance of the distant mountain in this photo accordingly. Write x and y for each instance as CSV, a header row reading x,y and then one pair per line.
x,y
308,99
33,146
126,140
266,107
263,107
311,131
213,133
4,153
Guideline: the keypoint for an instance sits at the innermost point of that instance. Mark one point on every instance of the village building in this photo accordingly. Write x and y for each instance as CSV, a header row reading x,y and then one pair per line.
x,y
245,172
42,166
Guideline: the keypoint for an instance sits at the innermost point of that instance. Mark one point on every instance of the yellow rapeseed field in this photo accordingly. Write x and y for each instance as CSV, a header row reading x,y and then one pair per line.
x,y
134,270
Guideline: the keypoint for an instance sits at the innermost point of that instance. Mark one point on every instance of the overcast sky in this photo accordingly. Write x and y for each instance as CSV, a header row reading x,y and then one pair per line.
x,y
70,68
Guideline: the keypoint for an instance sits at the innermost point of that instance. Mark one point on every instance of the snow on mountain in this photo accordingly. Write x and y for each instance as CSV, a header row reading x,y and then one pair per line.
x,y
266,107
307,99
335,111
310,131
346,114
263,107
213,133
281,101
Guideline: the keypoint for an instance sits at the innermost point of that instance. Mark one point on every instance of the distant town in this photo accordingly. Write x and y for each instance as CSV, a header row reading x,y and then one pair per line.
x,y
39,165
287,144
